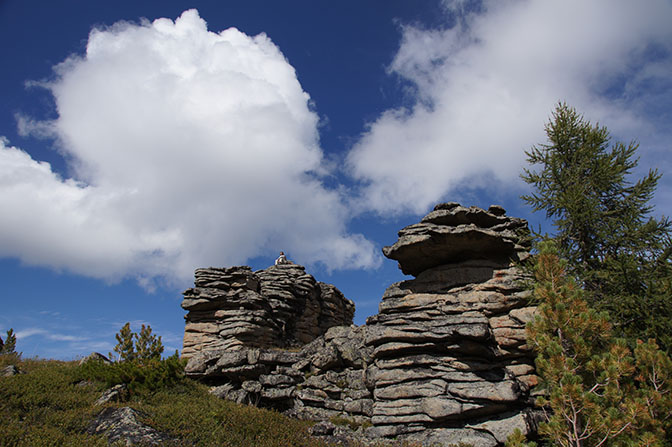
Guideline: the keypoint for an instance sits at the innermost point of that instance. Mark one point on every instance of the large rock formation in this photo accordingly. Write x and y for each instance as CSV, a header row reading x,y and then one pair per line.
x,y
444,360
281,306
449,345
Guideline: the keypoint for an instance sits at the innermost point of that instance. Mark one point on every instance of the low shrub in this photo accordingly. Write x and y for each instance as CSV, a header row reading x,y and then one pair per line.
x,y
139,376
190,413
45,407
51,405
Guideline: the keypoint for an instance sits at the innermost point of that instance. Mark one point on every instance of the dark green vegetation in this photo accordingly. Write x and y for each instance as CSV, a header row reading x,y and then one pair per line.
x,y
149,376
9,345
138,347
605,274
615,249
52,404
44,407
140,366
598,390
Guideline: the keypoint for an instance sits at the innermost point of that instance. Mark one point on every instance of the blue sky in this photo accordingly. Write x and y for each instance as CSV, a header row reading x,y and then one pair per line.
x,y
142,140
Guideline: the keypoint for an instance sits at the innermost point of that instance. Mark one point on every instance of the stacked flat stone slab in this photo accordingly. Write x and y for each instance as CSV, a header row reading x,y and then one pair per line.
x,y
449,346
281,306
452,233
443,362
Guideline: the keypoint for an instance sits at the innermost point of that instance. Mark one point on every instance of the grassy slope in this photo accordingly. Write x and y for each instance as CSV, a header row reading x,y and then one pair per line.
x,y
47,407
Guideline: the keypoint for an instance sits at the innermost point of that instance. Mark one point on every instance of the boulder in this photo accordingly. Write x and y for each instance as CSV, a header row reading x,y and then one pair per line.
x,y
118,393
454,437
95,357
124,425
10,370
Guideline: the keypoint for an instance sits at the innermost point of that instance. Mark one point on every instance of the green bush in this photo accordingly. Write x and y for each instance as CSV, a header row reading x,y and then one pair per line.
x,y
147,376
190,413
140,366
141,347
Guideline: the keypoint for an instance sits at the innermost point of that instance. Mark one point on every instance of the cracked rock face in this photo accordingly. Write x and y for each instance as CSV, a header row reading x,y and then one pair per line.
x,y
281,306
453,233
444,361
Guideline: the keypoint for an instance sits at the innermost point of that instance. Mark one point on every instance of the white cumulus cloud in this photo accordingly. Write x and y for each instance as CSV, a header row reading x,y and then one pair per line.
x,y
185,148
483,90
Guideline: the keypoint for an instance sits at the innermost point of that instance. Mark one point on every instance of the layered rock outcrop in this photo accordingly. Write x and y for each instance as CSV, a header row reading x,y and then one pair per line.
x,y
444,361
280,307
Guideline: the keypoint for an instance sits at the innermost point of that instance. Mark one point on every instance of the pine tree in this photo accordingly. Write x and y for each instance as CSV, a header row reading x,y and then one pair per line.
x,y
124,347
597,392
147,345
617,251
143,347
9,345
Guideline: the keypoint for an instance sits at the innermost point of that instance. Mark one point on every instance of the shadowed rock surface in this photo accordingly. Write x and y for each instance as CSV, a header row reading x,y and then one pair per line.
x,y
453,233
444,361
281,306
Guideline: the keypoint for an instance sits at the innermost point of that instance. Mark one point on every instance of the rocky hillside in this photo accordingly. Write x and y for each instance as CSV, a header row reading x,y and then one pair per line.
x,y
444,360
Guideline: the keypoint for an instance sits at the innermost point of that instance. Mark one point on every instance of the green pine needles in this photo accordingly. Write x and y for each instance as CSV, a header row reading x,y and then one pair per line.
x,y
137,347
8,354
602,284
9,345
604,229
598,392
139,364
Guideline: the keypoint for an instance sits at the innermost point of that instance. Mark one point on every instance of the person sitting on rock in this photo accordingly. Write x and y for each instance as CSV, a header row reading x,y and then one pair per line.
x,y
282,259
